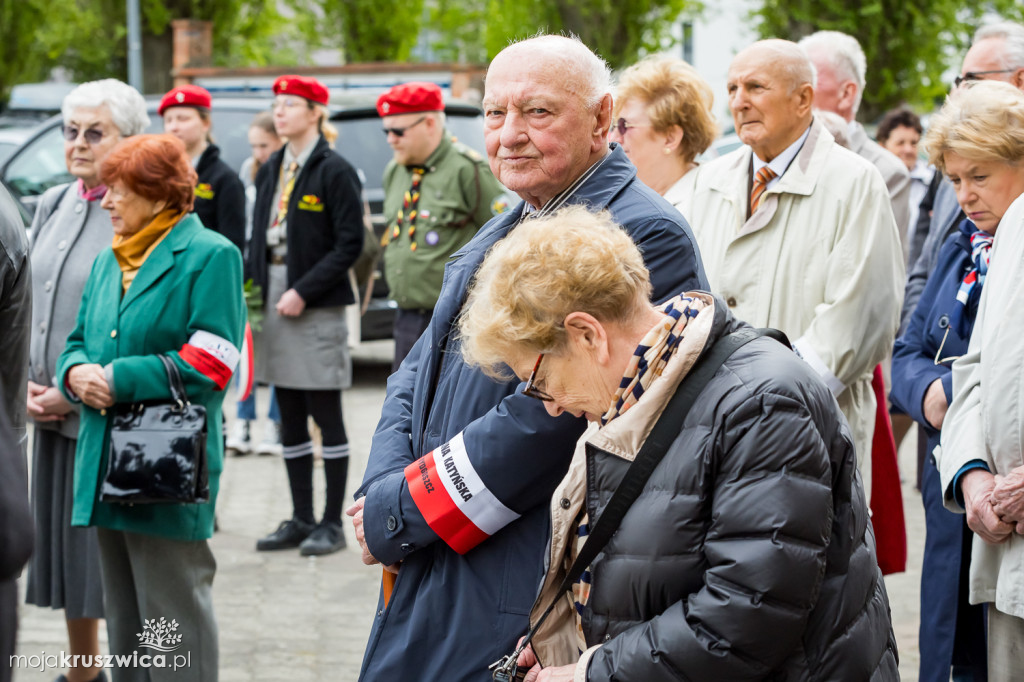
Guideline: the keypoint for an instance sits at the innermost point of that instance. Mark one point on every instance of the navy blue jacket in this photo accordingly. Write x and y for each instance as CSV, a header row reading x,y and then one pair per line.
x,y
451,614
913,357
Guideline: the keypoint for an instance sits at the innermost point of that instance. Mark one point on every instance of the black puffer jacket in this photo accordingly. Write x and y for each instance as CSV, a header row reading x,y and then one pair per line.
x,y
748,555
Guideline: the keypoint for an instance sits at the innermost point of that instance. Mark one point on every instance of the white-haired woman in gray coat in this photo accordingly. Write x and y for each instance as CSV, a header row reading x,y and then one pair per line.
x,y
68,231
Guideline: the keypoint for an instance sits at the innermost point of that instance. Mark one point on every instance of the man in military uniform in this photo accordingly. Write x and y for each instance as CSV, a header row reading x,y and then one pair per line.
x,y
437,194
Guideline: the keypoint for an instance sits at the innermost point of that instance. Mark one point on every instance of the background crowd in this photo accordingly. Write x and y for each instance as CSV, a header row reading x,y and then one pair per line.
x,y
628,260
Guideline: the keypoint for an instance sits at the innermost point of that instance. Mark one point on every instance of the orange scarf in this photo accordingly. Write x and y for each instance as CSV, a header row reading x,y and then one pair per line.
x,y
131,251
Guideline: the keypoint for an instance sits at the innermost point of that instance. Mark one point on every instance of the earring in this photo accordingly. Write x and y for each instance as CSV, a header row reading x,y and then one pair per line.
x,y
667,150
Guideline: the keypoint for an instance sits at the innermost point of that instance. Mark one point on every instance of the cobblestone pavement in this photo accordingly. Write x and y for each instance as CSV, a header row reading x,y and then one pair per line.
x,y
286,618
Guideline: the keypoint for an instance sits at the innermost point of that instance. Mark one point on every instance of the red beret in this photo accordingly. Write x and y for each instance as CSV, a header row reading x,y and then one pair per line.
x,y
185,96
301,86
410,98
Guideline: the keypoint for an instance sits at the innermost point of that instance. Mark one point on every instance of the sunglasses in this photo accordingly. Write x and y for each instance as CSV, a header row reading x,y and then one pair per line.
x,y
92,135
531,388
398,132
976,76
622,125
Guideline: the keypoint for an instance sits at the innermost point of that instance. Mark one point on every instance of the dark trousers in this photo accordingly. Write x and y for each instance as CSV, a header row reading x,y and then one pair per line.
x,y
409,326
8,625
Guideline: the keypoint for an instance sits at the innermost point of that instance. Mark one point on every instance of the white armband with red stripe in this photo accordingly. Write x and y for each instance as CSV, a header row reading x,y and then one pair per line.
x,y
212,356
453,498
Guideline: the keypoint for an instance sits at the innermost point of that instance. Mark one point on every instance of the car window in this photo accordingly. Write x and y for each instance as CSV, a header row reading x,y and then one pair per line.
x,y
6,149
363,144
39,165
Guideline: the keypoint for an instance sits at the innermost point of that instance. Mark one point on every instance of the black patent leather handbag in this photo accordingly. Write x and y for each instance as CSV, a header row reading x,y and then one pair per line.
x,y
158,450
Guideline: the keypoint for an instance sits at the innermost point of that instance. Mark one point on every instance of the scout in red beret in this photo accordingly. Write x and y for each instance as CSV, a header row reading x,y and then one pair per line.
x,y
410,98
185,96
301,86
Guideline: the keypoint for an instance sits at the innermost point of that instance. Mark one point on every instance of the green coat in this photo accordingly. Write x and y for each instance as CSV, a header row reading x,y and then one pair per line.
x,y
191,282
458,194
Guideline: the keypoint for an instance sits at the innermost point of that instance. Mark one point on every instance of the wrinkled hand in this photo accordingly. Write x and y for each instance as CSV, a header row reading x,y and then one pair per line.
x,y
935,404
290,304
977,486
1008,498
45,403
356,512
90,384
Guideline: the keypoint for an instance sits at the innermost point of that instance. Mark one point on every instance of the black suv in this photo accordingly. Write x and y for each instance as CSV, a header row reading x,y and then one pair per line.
x,y
38,163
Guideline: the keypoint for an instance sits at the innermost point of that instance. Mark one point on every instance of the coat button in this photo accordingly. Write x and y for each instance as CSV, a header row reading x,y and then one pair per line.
x,y
113,333
731,302
943,321
392,523
103,412
48,285
79,207
42,327
565,502
62,244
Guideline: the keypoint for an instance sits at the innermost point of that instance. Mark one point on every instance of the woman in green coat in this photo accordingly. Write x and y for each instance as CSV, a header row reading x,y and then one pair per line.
x,y
167,286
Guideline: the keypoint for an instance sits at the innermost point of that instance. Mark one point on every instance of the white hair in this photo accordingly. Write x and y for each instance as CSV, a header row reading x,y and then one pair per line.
x,y
127,107
790,59
844,55
1013,35
577,63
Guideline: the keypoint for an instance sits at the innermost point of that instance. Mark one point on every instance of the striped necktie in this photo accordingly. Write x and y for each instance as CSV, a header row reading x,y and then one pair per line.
x,y
761,180
287,186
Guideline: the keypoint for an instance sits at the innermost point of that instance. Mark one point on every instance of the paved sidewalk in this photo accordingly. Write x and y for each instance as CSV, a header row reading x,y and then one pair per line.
x,y
286,618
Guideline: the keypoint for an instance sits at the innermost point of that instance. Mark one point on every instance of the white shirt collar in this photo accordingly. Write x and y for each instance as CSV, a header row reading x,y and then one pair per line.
x,y
781,162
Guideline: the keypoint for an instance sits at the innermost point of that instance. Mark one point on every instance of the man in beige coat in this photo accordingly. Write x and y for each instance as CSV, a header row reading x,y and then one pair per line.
x,y
981,461
840,67
819,256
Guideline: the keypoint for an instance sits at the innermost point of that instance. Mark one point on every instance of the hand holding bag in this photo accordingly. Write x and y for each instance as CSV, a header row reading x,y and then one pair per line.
x,y
158,450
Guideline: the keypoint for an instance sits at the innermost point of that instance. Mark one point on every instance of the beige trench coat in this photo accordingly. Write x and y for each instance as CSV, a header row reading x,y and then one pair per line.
x,y
821,260
986,419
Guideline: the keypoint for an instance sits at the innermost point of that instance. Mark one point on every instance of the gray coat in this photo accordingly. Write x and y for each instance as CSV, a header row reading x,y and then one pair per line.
x,y
67,235
749,554
895,174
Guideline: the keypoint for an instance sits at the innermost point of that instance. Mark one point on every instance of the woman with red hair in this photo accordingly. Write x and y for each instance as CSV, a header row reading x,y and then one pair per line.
x,y
170,287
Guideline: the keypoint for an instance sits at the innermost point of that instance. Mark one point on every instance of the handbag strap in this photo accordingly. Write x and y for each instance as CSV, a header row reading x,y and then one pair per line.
x,y
178,393
665,431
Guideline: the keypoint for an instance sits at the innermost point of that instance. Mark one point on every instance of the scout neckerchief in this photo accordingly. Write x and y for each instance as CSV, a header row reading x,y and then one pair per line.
x,y
409,207
969,294
287,185
646,365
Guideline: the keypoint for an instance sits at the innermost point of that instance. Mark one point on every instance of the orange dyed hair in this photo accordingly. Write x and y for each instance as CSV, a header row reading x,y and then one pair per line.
x,y
155,167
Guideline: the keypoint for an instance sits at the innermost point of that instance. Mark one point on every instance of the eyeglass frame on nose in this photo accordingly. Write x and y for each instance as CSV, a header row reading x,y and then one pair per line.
x,y
399,132
531,386
93,136
622,125
973,76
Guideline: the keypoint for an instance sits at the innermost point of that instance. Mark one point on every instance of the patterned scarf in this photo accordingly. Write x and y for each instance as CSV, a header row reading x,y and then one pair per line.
x,y
646,365
969,294
653,353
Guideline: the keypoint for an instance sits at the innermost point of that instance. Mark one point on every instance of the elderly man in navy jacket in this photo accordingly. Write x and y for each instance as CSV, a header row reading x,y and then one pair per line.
x,y
462,468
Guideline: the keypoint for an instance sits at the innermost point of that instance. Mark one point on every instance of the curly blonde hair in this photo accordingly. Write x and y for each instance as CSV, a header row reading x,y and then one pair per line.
x,y
674,95
573,260
983,121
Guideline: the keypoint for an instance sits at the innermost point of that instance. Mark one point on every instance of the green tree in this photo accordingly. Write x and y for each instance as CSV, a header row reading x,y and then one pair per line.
x,y
23,58
909,44
375,30
619,31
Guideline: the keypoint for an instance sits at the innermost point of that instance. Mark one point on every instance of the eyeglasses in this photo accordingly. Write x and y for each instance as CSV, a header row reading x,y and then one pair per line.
x,y
91,135
398,132
976,76
531,387
622,125
287,103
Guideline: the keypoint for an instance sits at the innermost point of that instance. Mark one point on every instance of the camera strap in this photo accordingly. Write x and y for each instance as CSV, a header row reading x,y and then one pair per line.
x,y
665,431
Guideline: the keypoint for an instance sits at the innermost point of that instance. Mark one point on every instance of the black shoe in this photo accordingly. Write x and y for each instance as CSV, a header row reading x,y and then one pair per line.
x,y
288,535
328,538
